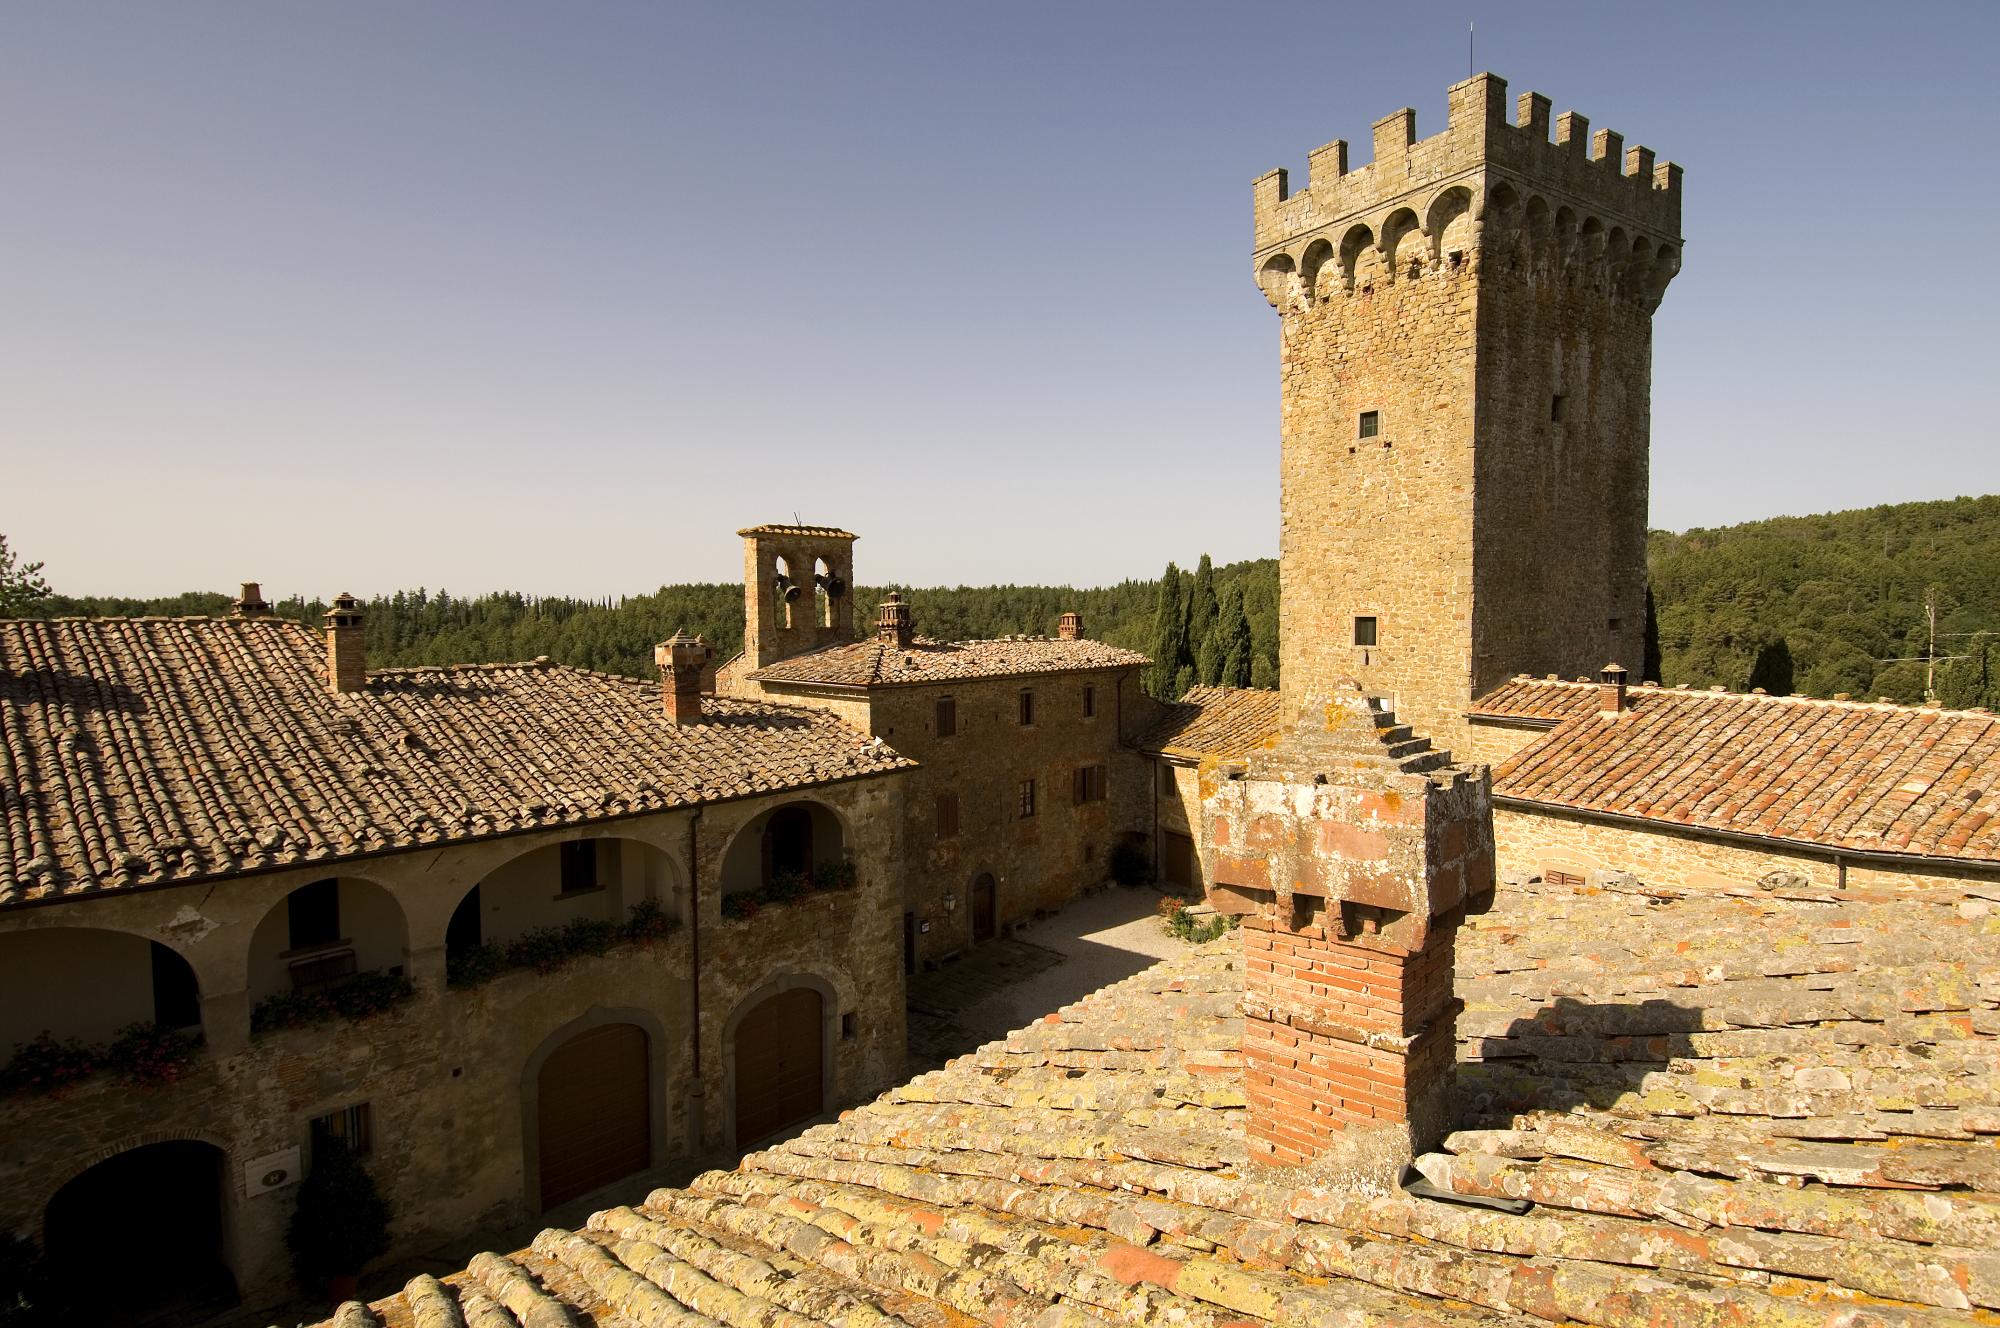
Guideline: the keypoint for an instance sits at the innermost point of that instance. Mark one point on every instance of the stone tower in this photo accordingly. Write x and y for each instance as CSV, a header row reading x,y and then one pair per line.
x,y
797,583
1466,362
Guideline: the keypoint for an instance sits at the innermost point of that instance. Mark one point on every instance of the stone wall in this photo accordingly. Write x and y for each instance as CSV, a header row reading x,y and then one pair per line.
x,y
1488,295
1039,862
1536,843
448,1075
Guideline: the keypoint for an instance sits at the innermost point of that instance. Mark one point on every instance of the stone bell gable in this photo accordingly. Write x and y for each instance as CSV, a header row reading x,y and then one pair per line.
x,y
1351,850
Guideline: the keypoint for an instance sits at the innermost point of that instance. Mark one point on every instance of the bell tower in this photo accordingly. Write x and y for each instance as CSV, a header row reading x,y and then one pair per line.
x,y
797,590
1465,360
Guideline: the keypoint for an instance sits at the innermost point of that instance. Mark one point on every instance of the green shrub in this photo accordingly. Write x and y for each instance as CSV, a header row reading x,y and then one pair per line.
x,y
473,965
743,904
152,1056
341,1221
647,922
46,1064
837,875
550,949
1182,924
354,998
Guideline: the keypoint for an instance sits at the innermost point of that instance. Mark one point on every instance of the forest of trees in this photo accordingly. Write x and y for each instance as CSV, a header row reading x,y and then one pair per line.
x,y
1817,604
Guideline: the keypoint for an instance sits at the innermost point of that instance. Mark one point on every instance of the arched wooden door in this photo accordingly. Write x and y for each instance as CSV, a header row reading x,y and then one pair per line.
x,y
779,1067
171,1194
594,1112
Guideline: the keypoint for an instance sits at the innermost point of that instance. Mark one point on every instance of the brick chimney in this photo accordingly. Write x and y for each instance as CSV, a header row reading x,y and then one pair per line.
x,y
346,645
1069,627
250,603
1351,851
893,624
681,659
1611,689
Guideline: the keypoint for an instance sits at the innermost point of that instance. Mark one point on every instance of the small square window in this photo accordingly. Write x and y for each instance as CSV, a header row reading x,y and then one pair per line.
x,y
947,717
850,1026
352,1128
1364,631
1371,423
1558,404
1027,709
1027,798
1615,624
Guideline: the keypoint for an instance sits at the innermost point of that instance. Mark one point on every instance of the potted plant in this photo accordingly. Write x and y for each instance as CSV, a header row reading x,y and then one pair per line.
x,y
341,1222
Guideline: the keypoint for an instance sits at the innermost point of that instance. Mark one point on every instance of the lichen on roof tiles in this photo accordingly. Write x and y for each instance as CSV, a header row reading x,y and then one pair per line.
x,y
1214,721
876,663
1861,776
141,752
1716,1118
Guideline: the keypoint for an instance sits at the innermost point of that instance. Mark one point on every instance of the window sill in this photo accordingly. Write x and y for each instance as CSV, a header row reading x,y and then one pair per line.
x,y
315,951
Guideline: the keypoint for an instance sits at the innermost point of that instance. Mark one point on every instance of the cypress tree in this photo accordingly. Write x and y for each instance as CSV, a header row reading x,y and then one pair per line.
x,y
1202,610
1208,659
1170,641
1232,629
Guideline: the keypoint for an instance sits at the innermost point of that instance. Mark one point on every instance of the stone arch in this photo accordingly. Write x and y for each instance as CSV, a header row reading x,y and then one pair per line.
x,y
747,859
1665,265
1279,280
1360,259
547,886
1404,244
598,1016
788,981
90,982
177,1261
1638,266
1449,223
1316,266
784,588
304,941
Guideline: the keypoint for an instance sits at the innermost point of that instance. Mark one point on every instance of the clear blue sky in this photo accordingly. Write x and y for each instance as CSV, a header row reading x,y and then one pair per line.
x,y
555,297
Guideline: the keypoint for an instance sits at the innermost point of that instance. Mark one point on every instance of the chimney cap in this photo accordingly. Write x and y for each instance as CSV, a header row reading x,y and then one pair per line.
x,y
345,611
250,602
1613,672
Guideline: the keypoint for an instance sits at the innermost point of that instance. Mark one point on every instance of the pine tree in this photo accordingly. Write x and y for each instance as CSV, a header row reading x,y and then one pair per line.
x,y
1170,638
1202,609
1232,629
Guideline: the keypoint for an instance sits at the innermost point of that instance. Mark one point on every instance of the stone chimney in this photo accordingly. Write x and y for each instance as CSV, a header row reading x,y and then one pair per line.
x,y
1351,850
1611,689
346,645
1069,627
250,603
681,659
893,624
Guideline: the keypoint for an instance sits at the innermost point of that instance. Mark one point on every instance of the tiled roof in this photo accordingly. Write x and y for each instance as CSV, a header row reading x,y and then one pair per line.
x,y
1769,1110
872,663
1536,700
1214,721
1866,777
823,532
153,750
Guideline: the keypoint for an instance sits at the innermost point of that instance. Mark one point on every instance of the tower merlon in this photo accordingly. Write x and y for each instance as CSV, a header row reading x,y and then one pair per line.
x,y
1478,149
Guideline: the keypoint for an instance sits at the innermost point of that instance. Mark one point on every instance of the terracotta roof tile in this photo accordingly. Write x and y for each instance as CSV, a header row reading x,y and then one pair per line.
x,y
145,751
1719,1116
873,663
1862,776
1214,721
1546,700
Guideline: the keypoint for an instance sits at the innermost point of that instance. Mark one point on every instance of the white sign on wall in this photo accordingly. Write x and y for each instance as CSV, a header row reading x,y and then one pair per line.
x,y
273,1171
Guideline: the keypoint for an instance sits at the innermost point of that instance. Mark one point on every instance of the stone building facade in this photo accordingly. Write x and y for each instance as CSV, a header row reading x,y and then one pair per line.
x,y
211,825
1465,355
1024,786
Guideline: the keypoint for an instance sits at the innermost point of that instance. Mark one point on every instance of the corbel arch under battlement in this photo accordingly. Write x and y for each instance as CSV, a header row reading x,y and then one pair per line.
x,y
1406,249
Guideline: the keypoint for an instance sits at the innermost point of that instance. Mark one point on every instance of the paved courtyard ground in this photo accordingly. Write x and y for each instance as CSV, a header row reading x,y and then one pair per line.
x,y
1005,984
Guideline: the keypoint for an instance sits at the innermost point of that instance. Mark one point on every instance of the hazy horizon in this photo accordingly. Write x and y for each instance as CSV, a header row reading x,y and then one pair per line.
x,y
376,296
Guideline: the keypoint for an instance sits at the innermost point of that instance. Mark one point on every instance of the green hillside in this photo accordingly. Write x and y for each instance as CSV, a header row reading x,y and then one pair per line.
x,y
1815,604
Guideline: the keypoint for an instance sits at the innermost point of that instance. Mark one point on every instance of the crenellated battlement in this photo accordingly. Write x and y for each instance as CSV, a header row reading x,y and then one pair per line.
x,y
1561,163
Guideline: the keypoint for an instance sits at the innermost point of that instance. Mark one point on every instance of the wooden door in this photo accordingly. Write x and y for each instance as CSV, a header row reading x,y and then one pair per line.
x,y
594,1113
985,910
779,1069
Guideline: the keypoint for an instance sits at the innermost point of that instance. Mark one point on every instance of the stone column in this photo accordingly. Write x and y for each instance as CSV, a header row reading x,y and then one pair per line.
x,y
1350,851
